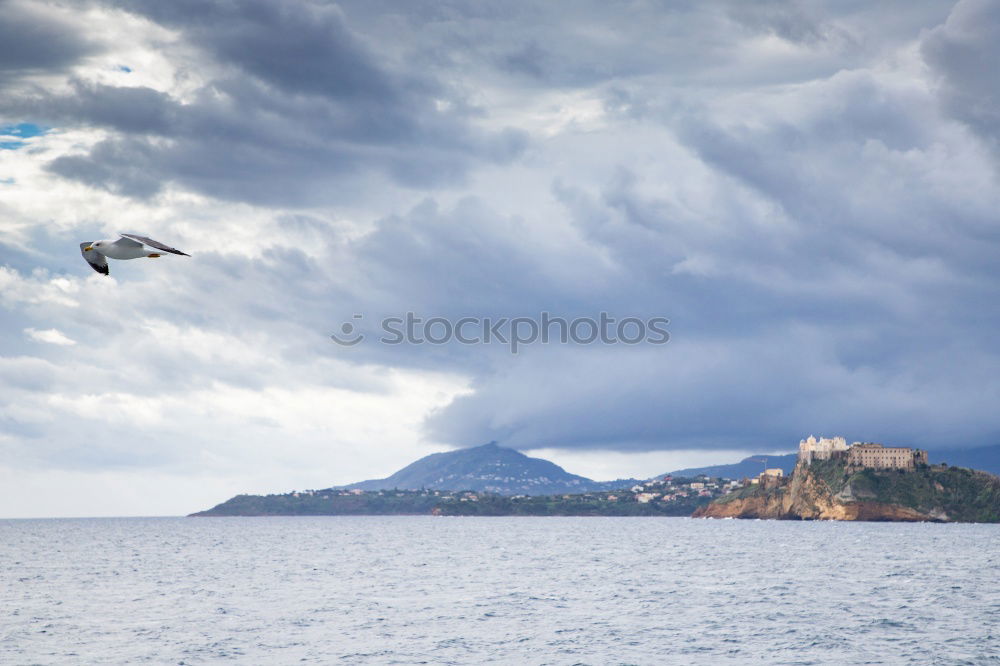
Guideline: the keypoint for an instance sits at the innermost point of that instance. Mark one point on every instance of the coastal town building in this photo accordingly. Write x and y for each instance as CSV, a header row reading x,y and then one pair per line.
x,y
771,478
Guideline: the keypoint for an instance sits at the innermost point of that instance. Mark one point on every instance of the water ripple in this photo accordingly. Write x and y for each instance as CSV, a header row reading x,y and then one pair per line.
x,y
421,590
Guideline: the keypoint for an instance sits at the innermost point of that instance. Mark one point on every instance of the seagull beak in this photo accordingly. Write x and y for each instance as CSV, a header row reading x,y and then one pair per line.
x,y
88,248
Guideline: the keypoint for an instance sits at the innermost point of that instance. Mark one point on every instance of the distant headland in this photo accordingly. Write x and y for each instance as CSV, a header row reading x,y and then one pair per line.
x,y
827,479
488,480
863,481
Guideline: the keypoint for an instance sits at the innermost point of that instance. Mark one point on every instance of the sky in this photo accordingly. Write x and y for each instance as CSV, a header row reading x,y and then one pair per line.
x,y
807,191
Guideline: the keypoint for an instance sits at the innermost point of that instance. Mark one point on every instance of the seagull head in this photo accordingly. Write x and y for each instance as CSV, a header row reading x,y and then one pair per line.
x,y
94,246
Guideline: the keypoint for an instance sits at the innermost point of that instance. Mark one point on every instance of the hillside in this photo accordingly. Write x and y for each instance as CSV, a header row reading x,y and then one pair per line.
x,y
676,497
488,468
326,503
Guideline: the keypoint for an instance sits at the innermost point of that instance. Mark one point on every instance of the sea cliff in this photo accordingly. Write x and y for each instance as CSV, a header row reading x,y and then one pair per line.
x,y
829,490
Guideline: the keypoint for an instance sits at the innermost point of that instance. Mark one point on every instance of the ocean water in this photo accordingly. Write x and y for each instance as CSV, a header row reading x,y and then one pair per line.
x,y
423,590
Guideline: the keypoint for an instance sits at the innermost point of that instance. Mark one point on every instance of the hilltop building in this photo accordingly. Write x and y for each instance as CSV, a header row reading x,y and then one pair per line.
x,y
860,455
875,456
822,449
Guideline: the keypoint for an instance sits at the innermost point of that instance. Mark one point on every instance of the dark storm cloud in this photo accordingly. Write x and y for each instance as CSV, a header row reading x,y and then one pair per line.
x,y
308,100
742,393
457,258
298,47
838,339
34,39
545,46
801,169
301,111
121,166
963,53
817,326
833,237
822,240
127,110
249,145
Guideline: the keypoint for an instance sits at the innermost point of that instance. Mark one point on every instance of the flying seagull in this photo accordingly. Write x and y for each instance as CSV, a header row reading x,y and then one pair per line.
x,y
129,246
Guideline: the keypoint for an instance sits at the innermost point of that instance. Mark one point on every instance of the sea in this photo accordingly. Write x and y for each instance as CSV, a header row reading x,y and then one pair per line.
x,y
450,590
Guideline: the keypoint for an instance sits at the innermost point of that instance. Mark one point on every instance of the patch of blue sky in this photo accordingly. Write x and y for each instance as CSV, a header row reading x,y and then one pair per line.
x,y
125,68
11,136
7,181
24,130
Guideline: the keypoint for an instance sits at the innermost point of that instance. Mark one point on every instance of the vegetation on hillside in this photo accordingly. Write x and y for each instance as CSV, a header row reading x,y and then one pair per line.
x,y
316,504
570,505
664,497
963,494
960,494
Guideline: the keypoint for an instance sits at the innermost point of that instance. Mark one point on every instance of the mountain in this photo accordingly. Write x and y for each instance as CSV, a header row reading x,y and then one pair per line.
x,y
488,468
746,468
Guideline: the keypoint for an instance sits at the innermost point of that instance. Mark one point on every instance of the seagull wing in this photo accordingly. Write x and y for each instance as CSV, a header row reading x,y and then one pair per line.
x,y
154,244
127,242
96,260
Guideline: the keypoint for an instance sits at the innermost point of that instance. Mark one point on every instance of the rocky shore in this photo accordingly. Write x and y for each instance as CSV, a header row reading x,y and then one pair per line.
x,y
827,490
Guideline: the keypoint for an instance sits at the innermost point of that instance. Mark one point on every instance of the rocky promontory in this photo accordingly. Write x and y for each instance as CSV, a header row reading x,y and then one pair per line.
x,y
831,490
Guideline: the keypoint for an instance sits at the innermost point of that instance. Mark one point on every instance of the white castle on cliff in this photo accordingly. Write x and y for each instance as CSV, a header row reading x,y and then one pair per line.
x,y
812,449
861,455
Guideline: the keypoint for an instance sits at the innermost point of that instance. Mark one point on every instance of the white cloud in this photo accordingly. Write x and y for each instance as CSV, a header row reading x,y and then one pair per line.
x,y
49,335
